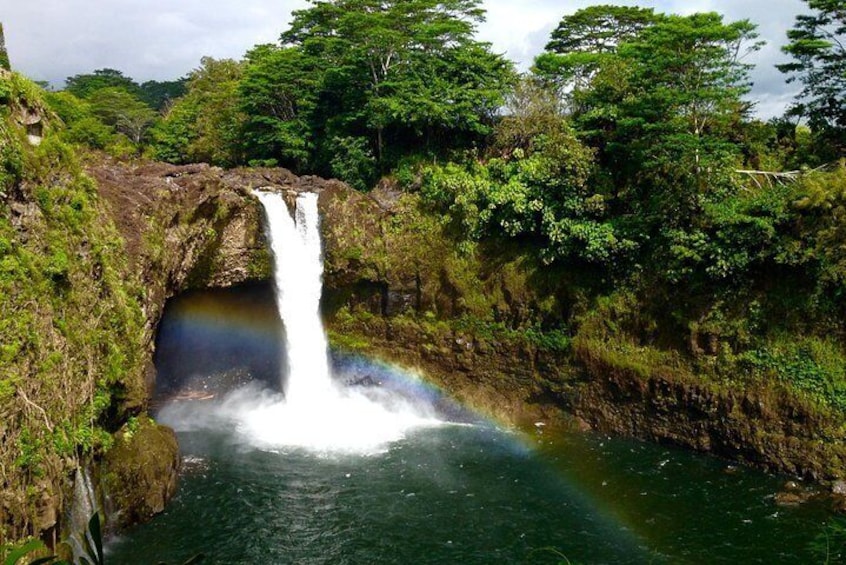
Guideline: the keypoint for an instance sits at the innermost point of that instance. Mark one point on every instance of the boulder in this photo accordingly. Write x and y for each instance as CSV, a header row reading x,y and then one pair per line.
x,y
139,474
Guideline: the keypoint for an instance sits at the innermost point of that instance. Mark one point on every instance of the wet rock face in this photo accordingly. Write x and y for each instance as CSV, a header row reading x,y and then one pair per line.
x,y
197,226
139,474
184,226
765,428
507,381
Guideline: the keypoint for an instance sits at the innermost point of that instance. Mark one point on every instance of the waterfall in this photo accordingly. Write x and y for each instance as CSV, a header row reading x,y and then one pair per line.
x,y
315,414
298,276
82,507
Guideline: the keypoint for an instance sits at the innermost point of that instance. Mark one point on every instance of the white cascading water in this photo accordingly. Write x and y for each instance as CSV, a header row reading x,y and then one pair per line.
x,y
299,272
315,414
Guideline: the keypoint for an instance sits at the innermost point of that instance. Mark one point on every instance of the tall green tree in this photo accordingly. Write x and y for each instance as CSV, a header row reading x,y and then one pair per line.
x,y
664,117
4,55
585,39
207,123
86,84
127,114
159,94
278,96
818,48
400,73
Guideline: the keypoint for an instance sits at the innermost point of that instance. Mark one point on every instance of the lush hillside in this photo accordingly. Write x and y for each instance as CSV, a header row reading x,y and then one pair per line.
x,y
70,320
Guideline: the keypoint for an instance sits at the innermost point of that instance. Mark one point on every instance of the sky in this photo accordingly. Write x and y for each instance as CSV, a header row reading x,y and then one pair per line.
x,y
165,39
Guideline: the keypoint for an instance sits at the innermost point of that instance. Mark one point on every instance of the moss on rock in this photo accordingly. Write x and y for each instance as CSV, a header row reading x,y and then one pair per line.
x,y
139,473
71,322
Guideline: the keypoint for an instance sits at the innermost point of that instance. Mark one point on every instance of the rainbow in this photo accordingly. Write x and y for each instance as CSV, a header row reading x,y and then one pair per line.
x,y
244,321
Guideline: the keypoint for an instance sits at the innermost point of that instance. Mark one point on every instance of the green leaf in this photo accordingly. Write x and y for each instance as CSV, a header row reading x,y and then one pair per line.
x,y
28,547
96,535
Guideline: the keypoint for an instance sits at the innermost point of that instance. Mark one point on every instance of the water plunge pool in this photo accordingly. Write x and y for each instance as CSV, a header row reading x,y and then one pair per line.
x,y
359,462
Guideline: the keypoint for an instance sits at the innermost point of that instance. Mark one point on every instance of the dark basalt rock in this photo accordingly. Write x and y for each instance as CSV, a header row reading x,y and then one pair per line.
x,y
139,474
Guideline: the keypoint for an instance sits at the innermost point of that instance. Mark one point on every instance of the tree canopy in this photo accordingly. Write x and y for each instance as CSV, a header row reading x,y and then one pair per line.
x,y
583,40
120,109
206,123
401,75
816,44
4,55
86,84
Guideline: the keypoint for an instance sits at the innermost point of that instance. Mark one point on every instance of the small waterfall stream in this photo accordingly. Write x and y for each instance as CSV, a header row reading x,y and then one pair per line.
x,y
83,506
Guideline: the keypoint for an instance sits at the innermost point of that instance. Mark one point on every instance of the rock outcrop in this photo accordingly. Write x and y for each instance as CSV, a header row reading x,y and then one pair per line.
x,y
767,427
139,474
195,226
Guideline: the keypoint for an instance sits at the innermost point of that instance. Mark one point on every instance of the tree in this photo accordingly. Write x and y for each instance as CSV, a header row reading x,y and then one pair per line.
x,y
123,111
818,47
583,40
664,118
4,55
84,85
278,96
676,140
81,124
531,110
206,124
159,94
401,71
538,186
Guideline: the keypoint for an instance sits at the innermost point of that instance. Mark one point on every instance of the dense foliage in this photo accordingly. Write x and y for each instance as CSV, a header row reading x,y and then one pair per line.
x,y
109,111
816,44
205,124
623,158
358,84
71,326
349,92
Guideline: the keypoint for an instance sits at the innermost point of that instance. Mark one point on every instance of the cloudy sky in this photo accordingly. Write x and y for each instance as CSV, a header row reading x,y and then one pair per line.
x,y
164,39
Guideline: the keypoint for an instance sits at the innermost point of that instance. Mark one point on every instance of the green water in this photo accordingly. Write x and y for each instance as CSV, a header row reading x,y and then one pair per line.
x,y
470,494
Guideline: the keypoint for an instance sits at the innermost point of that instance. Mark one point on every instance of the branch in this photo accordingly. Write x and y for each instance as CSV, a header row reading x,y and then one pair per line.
x,y
37,407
